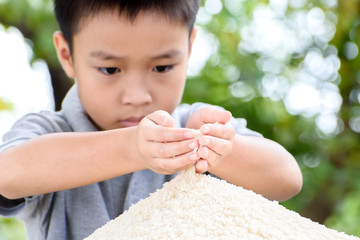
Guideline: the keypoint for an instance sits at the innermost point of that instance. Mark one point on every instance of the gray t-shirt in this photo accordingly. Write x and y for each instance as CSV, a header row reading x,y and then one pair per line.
x,y
75,213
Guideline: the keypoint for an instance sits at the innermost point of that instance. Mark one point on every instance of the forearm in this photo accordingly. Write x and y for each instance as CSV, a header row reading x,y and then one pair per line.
x,y
263,166
60,161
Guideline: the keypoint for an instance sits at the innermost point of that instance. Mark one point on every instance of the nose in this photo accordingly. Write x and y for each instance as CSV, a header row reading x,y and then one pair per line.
x,y
136,91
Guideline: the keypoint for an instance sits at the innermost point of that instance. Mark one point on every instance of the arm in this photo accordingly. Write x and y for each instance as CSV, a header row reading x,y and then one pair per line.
x,y
60,161
254,163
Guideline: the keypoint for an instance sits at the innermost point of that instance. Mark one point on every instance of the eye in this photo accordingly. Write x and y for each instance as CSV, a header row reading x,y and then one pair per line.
x,y
163,68
109,71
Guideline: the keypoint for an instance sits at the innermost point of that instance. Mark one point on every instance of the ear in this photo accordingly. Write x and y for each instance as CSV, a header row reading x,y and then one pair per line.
x,y
192,38
64,54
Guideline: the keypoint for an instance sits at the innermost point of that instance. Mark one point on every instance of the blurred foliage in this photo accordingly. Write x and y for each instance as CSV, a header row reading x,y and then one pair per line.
x,y
5,105
330,162
36,21
11,229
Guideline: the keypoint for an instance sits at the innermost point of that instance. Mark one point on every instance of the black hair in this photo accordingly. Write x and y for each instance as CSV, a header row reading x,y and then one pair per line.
x,y
69,13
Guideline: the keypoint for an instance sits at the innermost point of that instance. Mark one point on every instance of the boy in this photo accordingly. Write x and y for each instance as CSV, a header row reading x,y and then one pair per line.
x,y
121,134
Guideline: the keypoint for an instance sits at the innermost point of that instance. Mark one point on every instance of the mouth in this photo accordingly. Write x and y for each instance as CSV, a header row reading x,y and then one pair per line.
x,y
131,122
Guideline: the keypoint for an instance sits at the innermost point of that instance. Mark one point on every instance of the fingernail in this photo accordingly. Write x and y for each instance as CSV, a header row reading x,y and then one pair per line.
x,y
189,134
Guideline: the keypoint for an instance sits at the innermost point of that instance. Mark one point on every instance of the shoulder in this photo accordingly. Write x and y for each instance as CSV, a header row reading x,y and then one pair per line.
x,y
33,125
43,122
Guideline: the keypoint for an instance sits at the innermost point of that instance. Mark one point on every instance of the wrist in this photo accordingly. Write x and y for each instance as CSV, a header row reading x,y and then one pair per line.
x,y
129,150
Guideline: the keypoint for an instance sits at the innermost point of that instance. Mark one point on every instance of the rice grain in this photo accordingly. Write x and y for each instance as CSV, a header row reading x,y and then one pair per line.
x,y
198,206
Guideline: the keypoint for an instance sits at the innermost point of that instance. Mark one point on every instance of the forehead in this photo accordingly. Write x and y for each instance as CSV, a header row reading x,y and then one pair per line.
x,y
154,16
149,31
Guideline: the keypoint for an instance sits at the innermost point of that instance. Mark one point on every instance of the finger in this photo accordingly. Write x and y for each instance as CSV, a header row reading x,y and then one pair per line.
x,y
201,166
213,115
171,149
210,156
156,133
161,118
166,134
176,163
225,131
217,145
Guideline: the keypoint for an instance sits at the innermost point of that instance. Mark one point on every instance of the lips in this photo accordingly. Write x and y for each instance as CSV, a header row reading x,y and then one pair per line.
x,y
131,122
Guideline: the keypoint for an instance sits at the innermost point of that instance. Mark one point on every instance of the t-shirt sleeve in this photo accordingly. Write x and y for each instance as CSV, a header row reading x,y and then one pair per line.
x,y
184,111
34,125
28,127
10,207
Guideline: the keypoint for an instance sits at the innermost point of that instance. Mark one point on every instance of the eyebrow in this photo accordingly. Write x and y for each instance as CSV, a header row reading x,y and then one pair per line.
x,y
108,56
168,54
104,55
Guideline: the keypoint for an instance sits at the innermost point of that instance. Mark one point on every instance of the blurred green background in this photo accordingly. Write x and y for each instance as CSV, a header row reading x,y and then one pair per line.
x,y
290,67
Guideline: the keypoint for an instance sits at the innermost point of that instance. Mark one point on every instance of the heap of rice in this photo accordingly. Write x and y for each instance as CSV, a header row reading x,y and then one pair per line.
x,y
197,206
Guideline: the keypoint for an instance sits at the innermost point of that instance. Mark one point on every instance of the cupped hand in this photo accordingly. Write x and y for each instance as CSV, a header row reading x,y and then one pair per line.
x,y
217,136
163,148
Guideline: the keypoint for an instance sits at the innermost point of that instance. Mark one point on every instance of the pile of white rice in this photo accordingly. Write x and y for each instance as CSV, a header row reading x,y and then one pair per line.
x,y
197,206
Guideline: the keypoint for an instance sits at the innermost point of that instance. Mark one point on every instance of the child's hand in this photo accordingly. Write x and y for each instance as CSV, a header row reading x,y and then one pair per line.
x,y
217,139
163,148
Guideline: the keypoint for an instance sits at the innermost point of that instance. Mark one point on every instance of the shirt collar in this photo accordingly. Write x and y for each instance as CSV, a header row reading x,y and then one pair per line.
x,y
75,113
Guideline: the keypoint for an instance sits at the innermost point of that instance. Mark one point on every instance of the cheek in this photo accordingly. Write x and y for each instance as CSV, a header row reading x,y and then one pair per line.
x,y
169,95
175,86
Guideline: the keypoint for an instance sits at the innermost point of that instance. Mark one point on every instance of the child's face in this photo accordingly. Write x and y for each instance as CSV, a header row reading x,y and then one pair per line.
x,y
125,71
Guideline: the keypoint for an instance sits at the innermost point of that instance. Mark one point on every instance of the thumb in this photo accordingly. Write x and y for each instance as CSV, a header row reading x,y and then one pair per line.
x,y
213,115
162,118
